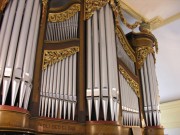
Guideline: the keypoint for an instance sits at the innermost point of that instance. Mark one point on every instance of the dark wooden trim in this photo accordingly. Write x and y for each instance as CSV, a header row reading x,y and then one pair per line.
x,y
35,95
120,62
81,68
61,44
64,7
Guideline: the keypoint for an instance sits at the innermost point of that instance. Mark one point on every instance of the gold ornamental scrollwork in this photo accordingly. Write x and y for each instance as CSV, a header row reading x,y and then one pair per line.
x,y
125,44
64,15
132,83
142,53
124,21
129,51
52,56
93,5
3,4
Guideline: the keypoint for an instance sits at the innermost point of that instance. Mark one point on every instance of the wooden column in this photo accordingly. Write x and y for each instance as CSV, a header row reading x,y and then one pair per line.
x,y
35,95
81,69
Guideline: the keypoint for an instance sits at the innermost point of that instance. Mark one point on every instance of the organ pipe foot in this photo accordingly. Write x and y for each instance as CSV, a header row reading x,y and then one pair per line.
x,y
60,108
112,108
105,107
49,107
56,109
22,93
65,108
73,110
155,118
42,106
52,107
117,112
27,96
15,86
6,83
46,104
69,109
115,108
97,105
89,102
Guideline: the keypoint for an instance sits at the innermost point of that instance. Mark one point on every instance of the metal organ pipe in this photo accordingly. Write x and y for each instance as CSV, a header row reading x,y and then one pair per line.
x,y
26,76
4,25
103,63
89,69
32,59
21,51
12,47
96,72
110,62
5,45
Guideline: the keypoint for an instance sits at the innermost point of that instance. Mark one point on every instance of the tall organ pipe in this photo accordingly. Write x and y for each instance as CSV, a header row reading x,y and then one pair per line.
x,y
109,58
12,47
4,25
26,77
21,51
103,63
5,45
96,72
32,58
89,69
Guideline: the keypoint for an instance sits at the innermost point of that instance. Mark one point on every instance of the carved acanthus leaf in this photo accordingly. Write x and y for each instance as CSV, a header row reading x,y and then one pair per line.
x,y
64,15
52,56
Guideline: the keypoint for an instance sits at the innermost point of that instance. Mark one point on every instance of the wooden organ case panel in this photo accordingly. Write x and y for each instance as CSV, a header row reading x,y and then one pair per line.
x,y
66,67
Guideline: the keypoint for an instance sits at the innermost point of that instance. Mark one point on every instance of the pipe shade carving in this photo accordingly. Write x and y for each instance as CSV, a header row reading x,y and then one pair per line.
x,y
134,85
64,15
52,56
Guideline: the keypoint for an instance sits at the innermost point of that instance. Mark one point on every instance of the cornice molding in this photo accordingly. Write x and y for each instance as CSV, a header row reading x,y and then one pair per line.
x,y
155,22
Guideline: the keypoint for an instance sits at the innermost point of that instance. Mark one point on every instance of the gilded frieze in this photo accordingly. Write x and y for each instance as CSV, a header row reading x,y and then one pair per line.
x,y
93,5
64,15
142,53
130,52
132,83
3,4
52,56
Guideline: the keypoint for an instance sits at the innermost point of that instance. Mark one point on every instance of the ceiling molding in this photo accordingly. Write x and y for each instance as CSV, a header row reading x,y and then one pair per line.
x,y
166,21
127,8
155,22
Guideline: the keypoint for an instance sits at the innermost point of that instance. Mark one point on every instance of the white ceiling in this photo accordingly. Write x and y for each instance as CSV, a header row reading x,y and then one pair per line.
x,y
152,8
168,36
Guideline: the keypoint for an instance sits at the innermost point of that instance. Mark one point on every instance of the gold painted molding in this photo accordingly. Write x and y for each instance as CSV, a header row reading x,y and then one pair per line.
x,y
132,83
3,4
52,56
93,5
64,15
130,52
142,53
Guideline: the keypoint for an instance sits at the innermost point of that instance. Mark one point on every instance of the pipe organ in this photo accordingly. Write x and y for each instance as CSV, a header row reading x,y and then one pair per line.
x,y
66,67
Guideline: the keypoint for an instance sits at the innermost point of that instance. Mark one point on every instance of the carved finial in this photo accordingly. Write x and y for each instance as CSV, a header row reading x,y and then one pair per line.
x,y
145,27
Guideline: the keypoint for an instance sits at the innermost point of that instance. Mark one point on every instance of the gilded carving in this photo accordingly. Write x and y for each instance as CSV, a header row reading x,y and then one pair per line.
x,y
52,56
142,53
132,83
93,5
3,4
130,26
44,9
125,44
64,15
